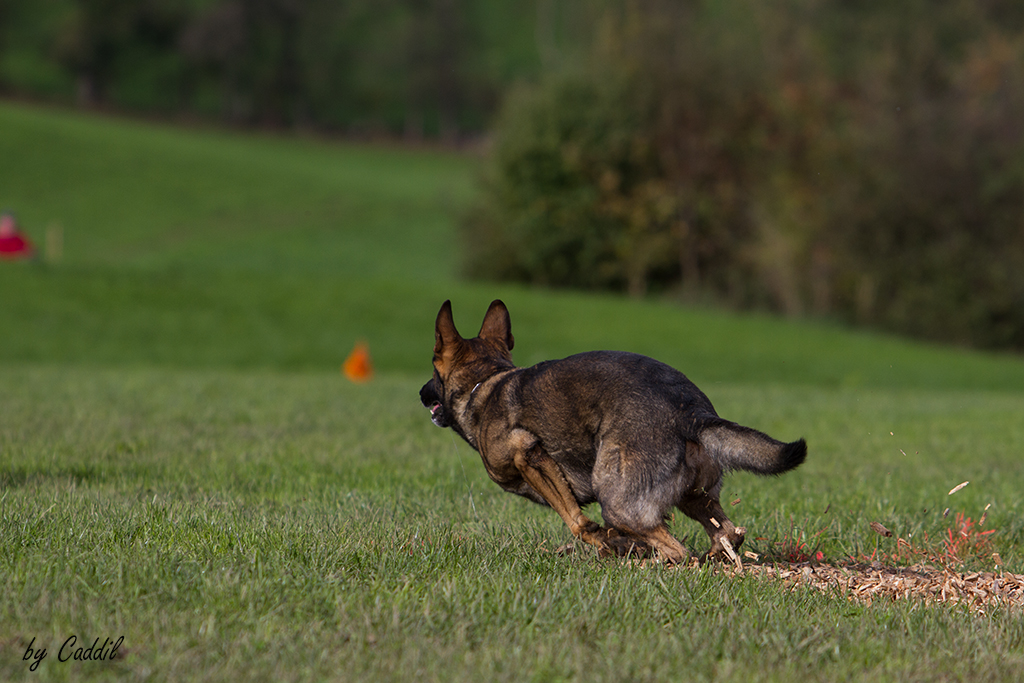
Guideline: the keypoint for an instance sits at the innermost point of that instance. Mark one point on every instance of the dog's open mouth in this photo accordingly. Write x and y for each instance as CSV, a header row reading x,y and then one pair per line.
x,y
437,414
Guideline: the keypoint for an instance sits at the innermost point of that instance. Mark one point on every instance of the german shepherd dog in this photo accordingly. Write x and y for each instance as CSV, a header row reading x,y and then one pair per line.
x,y
616,428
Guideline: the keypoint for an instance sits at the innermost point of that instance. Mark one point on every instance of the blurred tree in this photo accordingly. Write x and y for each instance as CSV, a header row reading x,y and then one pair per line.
x,y
850,159
106,43
424,68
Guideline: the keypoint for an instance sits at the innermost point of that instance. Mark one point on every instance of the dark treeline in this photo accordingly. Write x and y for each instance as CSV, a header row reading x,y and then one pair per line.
x,y
419,68
852,159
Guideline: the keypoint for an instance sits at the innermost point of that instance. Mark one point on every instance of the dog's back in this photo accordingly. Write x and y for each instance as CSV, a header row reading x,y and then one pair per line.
x,y
578,402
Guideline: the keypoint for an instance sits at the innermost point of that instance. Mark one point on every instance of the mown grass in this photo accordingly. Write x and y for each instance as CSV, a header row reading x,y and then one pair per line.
x,y
130,194
250,319
208,249
182,464
284,527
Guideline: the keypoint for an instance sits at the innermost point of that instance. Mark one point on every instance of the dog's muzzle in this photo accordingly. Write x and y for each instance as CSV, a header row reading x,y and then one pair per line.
x,y
430,398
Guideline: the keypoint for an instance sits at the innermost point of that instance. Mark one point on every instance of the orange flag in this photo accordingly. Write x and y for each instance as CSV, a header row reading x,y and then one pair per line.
x,y
358,367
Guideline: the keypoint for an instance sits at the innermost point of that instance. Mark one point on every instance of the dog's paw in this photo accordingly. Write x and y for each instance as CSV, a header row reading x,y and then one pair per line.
x,y
726,545
616,544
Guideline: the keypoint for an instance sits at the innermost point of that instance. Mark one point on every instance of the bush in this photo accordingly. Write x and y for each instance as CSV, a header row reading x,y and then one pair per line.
x,y
647,169
576,188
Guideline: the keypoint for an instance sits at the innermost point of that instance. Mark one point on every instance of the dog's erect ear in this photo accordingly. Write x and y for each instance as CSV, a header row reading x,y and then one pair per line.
x,y
498,325
445,333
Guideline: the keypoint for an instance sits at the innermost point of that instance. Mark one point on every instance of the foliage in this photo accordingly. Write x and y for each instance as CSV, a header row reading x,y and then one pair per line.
x,y
857,161
414,67
572,157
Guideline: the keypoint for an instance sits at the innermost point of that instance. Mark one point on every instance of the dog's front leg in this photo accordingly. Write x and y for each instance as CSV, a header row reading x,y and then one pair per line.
x,y
546,478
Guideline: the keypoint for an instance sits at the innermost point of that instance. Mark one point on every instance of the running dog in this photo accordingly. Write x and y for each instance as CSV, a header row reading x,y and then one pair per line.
x,y
610,427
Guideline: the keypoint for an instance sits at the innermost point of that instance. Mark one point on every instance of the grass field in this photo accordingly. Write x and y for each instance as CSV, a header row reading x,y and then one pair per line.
x,y
182,464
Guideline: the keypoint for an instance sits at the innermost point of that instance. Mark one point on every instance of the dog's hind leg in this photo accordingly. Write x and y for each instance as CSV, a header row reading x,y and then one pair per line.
x,y
725,536
546,478
701,503
634,498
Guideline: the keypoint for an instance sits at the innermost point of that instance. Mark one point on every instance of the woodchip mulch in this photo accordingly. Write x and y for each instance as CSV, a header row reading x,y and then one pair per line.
x,y
870,582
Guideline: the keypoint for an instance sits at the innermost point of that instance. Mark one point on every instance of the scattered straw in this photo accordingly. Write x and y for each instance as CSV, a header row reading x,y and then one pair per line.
x,y
958,487
984,515
881,529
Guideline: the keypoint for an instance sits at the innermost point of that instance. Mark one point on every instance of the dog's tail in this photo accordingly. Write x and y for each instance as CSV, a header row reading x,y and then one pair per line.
x,y
735,447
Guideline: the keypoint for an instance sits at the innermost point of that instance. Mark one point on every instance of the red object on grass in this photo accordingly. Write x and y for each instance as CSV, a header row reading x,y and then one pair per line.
x,y
358,367
12,244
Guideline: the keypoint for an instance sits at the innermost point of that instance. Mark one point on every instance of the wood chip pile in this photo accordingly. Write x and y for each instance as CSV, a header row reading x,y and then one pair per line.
x,y
869,582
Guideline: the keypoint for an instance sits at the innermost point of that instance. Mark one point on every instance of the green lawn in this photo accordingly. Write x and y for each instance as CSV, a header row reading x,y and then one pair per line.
x,y
134,195
269,526
182,464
